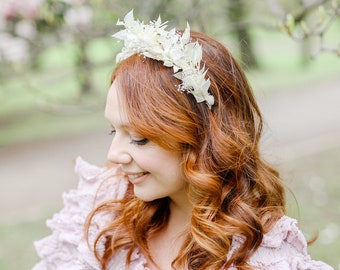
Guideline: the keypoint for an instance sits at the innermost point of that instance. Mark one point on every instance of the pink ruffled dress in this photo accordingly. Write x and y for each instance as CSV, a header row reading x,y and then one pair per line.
x,y
284,247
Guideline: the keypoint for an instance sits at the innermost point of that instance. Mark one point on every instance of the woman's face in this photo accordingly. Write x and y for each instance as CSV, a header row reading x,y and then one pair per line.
x,y
153,171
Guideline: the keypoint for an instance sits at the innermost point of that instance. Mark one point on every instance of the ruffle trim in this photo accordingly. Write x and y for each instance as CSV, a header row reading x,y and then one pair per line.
x,y
283,247
66,247
138,260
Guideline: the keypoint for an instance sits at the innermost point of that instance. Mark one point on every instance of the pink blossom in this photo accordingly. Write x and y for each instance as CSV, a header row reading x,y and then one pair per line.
x,y
26,9
79,18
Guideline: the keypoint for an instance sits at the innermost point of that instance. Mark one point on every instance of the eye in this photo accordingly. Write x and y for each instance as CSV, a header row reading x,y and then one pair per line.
x,y
139,141
112,132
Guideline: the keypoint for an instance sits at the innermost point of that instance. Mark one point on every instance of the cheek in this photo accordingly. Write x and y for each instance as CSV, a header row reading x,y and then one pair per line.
x,y
160,161
148,163
174,174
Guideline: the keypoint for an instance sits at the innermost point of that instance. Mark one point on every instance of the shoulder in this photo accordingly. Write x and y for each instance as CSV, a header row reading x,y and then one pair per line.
x,y
284,247
66,247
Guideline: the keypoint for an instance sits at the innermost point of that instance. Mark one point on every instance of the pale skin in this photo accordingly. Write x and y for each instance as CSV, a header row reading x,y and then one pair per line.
x,y
155,173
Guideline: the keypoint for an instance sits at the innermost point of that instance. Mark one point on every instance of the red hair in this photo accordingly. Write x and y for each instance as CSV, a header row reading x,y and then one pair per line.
x,y
232,190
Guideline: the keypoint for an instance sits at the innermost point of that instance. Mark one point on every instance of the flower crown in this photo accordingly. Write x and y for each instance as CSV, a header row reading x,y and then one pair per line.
x,y
173,49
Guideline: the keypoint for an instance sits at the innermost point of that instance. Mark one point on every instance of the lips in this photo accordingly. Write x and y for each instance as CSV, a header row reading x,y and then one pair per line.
x,y
136,178
136,175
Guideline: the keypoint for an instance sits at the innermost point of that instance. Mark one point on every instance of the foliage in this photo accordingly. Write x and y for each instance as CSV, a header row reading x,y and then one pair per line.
x,y
27,29
313,21
30,30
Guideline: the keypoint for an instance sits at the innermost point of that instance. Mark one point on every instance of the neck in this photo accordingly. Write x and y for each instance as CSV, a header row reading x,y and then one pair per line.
x,y
180,209
180,213
165,245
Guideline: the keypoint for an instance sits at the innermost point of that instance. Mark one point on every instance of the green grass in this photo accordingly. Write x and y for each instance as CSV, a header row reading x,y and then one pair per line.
x,y
282,66
41,126
16,244
45,103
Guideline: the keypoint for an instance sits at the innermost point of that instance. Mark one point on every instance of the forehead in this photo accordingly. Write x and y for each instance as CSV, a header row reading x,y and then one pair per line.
x,y
114,109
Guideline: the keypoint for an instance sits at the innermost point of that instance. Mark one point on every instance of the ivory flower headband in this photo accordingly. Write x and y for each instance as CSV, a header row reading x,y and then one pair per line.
x,y
173,49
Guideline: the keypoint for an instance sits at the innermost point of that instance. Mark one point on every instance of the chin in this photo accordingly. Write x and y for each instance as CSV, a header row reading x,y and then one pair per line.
x,y
147,197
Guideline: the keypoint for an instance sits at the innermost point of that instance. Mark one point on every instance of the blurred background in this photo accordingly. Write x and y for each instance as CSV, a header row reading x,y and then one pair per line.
x,y
56,57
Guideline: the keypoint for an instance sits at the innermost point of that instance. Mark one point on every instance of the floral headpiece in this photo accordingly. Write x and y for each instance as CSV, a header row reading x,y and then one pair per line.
x,y
173,49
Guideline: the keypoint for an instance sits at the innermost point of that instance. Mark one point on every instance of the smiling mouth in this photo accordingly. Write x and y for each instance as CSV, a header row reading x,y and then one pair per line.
x,y
136,175
138,178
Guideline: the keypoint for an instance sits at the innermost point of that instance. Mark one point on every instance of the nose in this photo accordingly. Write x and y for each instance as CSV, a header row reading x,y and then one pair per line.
x,y
118,153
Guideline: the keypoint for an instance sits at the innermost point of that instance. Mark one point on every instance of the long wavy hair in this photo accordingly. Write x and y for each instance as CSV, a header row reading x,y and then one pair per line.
x,y
233,191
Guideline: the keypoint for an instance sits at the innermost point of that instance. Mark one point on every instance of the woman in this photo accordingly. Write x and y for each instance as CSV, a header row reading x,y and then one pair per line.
x,y
187,187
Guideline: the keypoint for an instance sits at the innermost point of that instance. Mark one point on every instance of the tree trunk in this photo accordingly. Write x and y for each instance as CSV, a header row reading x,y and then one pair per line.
x,y
236,15
83,67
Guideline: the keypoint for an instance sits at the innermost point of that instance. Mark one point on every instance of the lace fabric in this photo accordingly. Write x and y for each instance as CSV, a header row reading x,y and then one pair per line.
x,y
66,247
284,247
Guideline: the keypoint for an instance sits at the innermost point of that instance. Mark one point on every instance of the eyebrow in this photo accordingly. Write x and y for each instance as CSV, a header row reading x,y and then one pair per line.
x,y
123,126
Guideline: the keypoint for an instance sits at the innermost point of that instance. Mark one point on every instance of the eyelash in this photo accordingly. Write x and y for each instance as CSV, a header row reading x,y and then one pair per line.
x,y
140,142
137,142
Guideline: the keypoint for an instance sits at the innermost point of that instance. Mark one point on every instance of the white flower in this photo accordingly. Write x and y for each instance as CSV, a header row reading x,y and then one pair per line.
x,y
174,50
26,29
13,49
